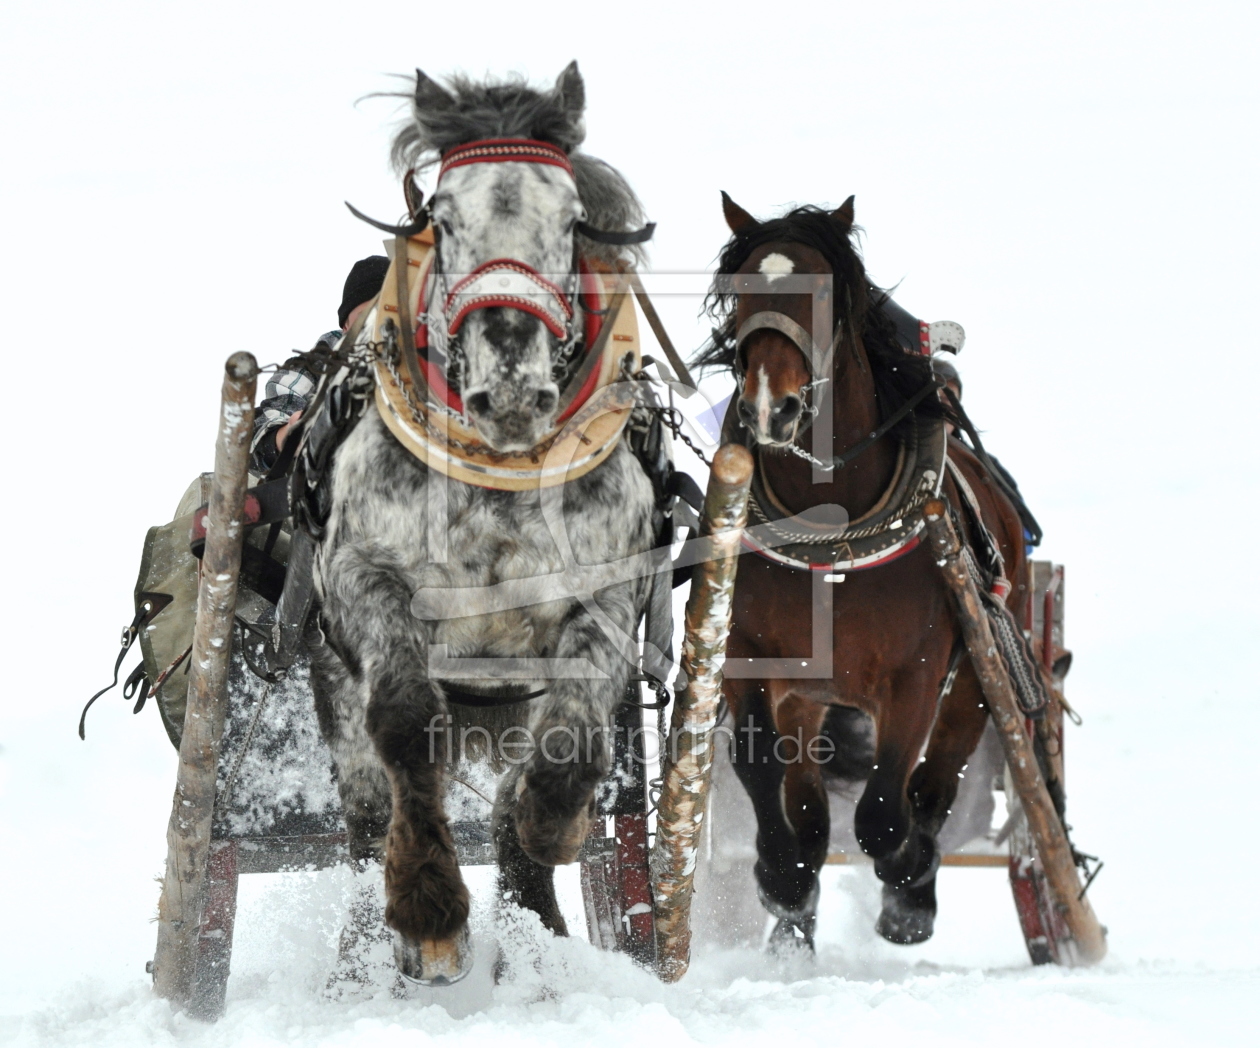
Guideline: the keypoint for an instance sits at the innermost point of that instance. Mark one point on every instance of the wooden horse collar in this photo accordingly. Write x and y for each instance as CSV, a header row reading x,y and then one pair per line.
x,y
427,417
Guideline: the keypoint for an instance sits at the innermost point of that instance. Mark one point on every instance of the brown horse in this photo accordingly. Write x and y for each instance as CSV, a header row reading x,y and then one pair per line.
x,y
893,635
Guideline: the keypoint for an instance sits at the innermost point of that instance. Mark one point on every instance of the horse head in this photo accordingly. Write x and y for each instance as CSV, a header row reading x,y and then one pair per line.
x,y
503,302
782,326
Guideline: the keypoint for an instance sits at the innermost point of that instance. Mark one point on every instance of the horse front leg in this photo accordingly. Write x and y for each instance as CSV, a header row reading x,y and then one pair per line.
x,y
427,902
426,899
764,762
546,806
905,853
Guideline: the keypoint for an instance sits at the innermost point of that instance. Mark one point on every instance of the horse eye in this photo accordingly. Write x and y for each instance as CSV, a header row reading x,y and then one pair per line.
x,y
445,226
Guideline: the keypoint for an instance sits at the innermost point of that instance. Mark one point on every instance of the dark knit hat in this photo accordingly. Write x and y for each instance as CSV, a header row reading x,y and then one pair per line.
x,y
946,372
363,284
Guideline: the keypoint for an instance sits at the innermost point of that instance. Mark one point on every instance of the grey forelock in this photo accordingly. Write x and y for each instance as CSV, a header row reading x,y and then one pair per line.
x,y
507,108
510,108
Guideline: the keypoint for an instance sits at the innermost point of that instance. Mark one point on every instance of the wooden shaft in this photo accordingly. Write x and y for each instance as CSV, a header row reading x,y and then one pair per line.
x,y
188,833
688,752
1089,943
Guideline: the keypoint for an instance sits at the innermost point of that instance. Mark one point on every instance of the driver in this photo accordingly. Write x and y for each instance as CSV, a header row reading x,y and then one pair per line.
x,y
290,387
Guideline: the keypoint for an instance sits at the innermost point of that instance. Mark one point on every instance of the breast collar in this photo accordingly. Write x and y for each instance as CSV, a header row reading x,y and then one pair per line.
x,y
890,529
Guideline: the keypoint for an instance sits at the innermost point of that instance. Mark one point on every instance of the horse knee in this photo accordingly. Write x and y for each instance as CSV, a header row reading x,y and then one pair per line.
x,y
554,813
882,820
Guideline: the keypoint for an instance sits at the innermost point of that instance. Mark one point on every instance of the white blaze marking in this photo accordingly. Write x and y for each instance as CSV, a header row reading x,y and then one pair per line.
x,y
763,401
775,265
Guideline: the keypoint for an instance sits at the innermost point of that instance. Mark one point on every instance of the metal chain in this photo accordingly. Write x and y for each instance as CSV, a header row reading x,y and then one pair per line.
x,y
672,419
245,744
800,452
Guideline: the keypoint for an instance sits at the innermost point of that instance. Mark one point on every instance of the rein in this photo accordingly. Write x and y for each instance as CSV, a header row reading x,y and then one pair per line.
x,y
845,458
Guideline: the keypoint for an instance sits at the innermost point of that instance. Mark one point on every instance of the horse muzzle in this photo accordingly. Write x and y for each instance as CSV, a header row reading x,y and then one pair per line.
x,y
772,420
513,416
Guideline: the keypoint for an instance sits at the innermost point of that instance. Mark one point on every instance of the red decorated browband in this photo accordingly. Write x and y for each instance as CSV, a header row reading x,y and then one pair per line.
x,y
505,150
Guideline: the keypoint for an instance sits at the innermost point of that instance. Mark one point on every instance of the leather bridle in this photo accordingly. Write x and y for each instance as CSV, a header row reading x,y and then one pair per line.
x,y
821,364
818,360
507,282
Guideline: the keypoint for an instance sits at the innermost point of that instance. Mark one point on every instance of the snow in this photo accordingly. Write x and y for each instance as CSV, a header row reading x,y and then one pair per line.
x,y
1071,182
568,992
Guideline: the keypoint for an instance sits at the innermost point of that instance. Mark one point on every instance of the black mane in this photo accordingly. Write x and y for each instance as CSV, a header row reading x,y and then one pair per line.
x,y
898,375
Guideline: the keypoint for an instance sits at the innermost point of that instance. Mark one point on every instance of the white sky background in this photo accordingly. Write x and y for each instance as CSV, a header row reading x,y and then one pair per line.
x,y
1073,182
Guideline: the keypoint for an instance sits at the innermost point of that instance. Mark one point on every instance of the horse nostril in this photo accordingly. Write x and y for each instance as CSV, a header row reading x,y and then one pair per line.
x,y
545,401
478,403
788,408
747,413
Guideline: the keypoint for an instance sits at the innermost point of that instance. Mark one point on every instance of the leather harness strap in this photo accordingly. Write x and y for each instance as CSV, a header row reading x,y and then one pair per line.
x,y
481,700
406,332
594,357
662,336
886,427
785,325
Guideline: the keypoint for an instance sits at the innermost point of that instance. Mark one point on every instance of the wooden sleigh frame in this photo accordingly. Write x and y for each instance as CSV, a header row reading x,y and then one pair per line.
x,y
634,902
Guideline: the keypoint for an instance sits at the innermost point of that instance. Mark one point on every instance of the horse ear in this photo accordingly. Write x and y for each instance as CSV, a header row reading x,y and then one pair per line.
x,y
844,214
571,90
430,95
736,217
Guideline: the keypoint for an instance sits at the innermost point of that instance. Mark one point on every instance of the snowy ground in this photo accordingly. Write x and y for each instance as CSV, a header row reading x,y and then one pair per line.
x,y
972,987
1182,927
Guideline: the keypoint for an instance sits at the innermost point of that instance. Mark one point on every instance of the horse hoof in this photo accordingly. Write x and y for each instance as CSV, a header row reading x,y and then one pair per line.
x,y
798,914
434,962
792,939
902,922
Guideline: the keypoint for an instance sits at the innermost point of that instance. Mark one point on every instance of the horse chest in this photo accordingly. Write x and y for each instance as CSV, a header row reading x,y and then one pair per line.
x,y
441,534
887,625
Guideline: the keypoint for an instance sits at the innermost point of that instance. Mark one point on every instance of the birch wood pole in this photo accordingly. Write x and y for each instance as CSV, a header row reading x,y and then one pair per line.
x,y
188,833
1089,943
689,751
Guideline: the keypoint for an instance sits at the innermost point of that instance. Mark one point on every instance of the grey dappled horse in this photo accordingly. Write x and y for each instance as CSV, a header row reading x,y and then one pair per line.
x,y
378,692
